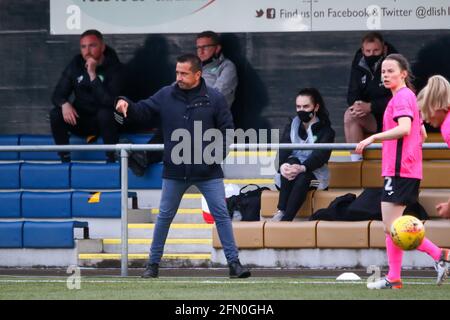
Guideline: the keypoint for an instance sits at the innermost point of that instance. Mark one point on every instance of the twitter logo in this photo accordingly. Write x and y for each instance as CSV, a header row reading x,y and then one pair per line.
x,y
259,13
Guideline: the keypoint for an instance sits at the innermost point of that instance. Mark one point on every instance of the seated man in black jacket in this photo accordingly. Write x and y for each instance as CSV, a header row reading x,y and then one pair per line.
x,y
93,77
367,97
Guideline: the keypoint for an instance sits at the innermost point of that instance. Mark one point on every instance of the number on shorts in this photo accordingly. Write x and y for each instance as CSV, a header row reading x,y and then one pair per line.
x,y
388,184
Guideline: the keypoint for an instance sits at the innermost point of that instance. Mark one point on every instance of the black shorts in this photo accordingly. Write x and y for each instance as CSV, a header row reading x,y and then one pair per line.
x,y
400,190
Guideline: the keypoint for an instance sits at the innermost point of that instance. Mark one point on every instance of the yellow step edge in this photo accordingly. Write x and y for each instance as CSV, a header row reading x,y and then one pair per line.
x,y
273,153
249,181
192,196
340,153
168,241
143,256
252,153
180,211
173,226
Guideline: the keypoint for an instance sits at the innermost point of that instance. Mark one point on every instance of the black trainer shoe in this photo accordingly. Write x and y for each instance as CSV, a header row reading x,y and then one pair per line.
x,y
140,157
136,168
151,271
238,271
65,158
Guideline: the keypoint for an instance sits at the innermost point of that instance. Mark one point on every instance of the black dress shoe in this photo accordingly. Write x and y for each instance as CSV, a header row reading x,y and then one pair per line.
x,y
238,271
151,271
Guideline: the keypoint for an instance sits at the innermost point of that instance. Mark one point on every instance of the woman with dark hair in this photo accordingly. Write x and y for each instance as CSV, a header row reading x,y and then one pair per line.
x,y
299,167
401,166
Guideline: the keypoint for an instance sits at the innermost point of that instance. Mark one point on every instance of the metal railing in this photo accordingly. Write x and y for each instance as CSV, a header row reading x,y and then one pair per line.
x,y
124,150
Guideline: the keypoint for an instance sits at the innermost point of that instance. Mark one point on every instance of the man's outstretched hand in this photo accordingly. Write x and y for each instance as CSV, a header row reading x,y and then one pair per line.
x,y
122,107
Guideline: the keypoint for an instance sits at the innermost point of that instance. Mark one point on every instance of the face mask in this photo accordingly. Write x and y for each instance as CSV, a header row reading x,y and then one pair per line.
x,y
371,60
305,116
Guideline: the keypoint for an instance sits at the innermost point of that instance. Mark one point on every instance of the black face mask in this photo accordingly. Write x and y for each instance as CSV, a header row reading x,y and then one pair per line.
x,y
305,116
371,60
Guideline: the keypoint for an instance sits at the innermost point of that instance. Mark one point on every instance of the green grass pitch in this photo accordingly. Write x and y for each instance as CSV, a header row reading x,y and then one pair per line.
x,y
212,288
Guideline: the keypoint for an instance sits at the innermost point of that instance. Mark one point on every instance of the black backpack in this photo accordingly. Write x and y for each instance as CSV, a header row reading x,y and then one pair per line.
x,y
248,203
367,206
336,210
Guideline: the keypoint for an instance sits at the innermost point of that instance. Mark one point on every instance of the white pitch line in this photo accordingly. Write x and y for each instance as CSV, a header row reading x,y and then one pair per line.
x,y
204,282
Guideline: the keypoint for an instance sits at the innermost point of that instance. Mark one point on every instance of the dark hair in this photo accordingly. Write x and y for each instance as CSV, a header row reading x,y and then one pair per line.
x,y
316,98
196,63
404,66
211,35
92,32
372,36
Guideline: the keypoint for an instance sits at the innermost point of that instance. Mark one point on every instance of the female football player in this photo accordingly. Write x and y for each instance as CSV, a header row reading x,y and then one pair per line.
x,y
402,137
434,103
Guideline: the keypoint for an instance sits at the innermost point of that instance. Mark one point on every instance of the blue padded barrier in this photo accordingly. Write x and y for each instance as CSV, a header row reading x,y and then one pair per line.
x,y
95,176
9,140
10,204
87,155
47,205
45,176
10,176
152,179
96,204
11,234
47,234
29,139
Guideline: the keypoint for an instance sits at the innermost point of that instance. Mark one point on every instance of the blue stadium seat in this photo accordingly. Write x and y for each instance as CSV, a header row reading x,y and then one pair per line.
x,y
30,139
10,204
11,234
151,180
9,140
47,205
87,155
50,234
45,176
96,204
95,176
100,155
10,176
137,138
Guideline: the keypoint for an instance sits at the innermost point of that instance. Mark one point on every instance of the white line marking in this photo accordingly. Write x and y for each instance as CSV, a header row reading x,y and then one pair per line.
x,y
225,281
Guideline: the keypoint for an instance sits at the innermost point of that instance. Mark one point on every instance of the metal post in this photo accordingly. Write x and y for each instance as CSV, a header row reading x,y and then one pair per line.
x,y
124,211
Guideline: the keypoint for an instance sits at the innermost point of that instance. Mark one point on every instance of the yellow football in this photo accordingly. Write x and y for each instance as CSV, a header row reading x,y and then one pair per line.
x,y
407,232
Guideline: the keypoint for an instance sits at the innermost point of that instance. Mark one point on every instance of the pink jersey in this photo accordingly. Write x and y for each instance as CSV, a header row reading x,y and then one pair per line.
x,y
403,157
445,129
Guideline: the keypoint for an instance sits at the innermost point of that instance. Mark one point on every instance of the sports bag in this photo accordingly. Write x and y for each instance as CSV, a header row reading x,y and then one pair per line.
x,y
247,203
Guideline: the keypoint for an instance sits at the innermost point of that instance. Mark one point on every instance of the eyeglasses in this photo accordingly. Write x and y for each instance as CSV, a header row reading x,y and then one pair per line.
x,y
206,46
